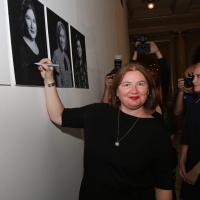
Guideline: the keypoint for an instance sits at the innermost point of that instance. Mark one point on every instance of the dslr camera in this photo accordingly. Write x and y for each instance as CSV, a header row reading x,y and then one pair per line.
x,y
117,61
117,65
143,47
188,81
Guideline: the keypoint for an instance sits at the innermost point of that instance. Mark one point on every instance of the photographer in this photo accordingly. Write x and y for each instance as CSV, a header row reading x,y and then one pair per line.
x,y
185,93
164,69
106,98
162,81
190,140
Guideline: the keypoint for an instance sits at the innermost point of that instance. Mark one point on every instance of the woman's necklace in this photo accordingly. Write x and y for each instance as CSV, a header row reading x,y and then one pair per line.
x,y
197,100
118,140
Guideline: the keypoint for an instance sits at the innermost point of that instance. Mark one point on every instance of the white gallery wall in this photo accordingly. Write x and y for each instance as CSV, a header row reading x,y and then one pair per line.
x,y
38,160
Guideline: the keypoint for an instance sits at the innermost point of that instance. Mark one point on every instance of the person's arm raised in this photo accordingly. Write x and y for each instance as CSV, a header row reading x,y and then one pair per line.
x,y
179,103
53,102
154,49
106,93
135,54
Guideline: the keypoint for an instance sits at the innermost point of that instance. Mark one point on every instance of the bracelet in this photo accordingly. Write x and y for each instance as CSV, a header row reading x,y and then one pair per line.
x,y
52,84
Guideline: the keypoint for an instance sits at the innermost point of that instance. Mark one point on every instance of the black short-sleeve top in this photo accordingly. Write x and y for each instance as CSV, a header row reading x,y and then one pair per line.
x,y
142,161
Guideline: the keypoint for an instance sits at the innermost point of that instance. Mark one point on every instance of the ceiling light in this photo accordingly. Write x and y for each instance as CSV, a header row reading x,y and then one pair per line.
x,y
150,3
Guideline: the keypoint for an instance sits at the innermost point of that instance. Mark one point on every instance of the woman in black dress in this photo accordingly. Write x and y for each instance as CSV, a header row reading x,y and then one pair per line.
x,y
190,154
127,152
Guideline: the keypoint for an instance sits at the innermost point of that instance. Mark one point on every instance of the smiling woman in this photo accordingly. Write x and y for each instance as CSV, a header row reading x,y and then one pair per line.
x,y
63,74
134,79
28,39
29,52
133,90
127,152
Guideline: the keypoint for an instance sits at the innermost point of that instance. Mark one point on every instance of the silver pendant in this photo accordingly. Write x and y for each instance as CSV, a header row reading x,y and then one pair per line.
x,y
117,144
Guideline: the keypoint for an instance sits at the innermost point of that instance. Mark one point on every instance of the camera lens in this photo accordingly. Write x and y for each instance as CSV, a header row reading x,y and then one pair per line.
x,y
188,82
118,61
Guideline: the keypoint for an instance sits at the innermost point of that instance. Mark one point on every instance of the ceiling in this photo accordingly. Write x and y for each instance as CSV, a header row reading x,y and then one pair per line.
x,y
167,16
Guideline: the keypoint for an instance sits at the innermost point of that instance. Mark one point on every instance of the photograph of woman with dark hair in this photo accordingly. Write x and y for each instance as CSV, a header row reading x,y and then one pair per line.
x,y
27,52
63,73
79,59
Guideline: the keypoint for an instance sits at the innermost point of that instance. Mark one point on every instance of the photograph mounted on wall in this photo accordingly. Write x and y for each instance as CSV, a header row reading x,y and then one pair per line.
x,y
59,43
79,59
4,56
28,40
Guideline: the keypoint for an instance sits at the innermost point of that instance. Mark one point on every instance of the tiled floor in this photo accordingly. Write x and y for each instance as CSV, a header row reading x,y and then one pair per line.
x,y
178,178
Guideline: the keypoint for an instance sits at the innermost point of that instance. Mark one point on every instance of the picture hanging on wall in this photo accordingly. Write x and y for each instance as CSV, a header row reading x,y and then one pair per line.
x,y
4,56
79,59
58,30
28,40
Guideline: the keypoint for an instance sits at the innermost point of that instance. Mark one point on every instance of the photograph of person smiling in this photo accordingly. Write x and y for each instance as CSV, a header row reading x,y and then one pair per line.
x,y
59,42
63,73
25,24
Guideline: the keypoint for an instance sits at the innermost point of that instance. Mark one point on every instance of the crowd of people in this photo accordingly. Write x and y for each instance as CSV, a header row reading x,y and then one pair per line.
x,y
128,152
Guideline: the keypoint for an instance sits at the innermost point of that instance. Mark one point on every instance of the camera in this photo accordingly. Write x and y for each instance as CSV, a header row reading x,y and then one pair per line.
x,y
188,81
117,61
143,47
117,65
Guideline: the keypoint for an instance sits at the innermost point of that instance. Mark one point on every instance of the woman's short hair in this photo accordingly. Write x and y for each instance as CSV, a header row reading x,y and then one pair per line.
x,y
26,5
136,66
60,26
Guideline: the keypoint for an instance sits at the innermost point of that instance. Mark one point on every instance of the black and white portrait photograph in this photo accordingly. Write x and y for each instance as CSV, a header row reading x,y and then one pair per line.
x,y
28,40
59,43
79,59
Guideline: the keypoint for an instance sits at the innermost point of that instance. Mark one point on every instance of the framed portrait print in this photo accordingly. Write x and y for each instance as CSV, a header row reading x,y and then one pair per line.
x,y
58,30
79,59
28,40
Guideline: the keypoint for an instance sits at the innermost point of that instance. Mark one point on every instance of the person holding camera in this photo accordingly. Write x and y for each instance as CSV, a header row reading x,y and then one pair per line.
x,y
106,98
190,140
164,69
162,85
185,92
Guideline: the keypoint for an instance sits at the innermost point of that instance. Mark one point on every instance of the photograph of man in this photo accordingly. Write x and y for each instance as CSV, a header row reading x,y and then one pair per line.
x,y
28,38
60,49
79,59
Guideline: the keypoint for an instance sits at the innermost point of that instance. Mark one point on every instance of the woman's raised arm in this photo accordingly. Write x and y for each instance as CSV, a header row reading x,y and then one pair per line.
x,y
53,102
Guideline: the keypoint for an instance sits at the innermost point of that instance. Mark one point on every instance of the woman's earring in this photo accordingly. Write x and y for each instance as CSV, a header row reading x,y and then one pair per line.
x,y
117,98
149,97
